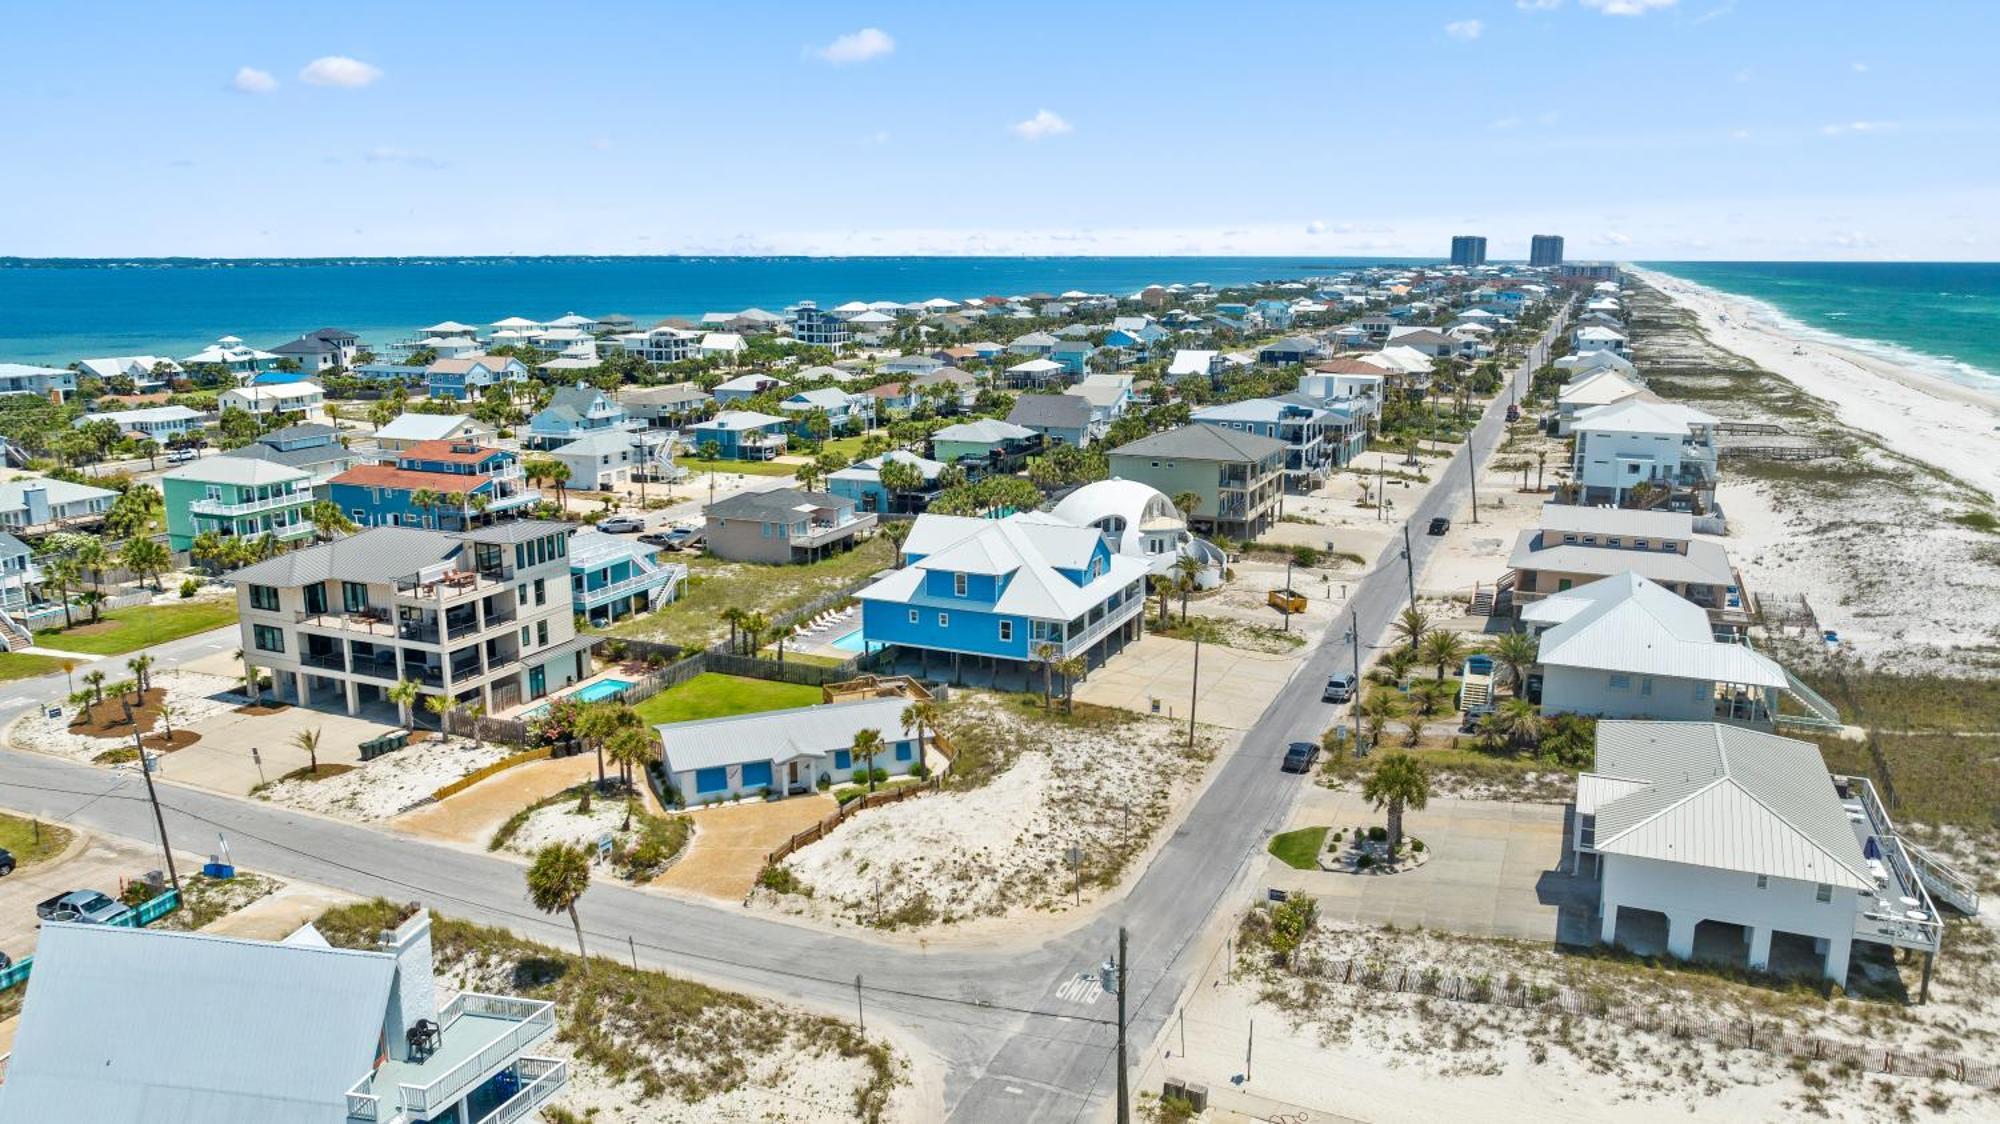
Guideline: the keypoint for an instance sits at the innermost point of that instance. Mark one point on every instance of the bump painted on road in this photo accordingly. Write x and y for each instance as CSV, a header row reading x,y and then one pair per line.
x,y
1082,987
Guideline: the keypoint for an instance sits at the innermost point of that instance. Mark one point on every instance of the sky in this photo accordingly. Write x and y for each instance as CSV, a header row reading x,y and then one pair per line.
x,y
1638,129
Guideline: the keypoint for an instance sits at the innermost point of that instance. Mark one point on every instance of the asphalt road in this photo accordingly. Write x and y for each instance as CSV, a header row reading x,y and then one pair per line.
x,y
1021,1040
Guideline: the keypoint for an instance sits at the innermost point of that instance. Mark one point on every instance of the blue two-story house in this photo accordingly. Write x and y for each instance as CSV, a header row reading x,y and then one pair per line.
x,y
573,412
741,435
469,376
1004,593
471,483
612,577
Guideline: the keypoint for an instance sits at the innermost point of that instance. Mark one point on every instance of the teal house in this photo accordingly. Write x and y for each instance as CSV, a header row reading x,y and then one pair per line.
x,y
237,497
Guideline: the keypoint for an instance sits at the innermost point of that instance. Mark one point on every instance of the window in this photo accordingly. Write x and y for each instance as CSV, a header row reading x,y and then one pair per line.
x,y
268,639
913,616
541,634
711,780
264,597
1006,632
541,592
842,759
944,620
1586,832
1822,893
1646,686
353,596
902,751
959,584
1763,882
1621,682
524,636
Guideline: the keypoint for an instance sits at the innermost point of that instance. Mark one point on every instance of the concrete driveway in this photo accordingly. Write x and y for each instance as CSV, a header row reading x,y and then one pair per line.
x,y
93,862
1489,873
731,840
1236,685
221,760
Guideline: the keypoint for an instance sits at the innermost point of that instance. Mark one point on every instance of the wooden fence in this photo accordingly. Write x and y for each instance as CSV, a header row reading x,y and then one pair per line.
x,y
839,815
1727,1033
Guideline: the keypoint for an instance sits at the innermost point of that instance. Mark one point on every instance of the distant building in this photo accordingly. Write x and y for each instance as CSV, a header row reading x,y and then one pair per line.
x,y
469,481
1545,249
817,327
573,412
53,383
1590,271
1468,250
321,350
1236,478
302,398
37,505
783,525
612,577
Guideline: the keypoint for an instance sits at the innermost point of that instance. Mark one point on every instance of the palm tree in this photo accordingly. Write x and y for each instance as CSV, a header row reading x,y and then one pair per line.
x,y
733,616
755,625
426,501
141,667
328,520
250,689
1513,655
1520,722
146,558
867,743
92,556
404,695
1443,648
1411,625
1163,588
167,715
600,722
1432,696
1048,655
923,718
94,680
1379,709
308,740
438,705
1187,568
1398,782
1071,670
632,748
1186,503
62,574
92,599
559,876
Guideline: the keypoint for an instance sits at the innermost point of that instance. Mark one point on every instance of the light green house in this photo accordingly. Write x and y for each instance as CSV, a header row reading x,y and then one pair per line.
x,y
1235,477
236,497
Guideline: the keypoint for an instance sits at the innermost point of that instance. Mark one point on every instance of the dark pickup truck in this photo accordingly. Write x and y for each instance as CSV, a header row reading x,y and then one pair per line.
x,y
84,907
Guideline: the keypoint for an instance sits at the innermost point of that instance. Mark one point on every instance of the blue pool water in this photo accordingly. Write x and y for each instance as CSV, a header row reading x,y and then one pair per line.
x,y
600,690
851,642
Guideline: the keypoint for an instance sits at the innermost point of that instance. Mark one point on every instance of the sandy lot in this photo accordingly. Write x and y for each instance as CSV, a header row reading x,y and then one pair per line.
x,y
470,817
387,785
731,840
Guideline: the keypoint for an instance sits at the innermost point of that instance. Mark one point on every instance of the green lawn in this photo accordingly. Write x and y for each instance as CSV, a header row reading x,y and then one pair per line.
x,y
21,665
849,447
701,467
19,836
1299,849
714,585
142,626
710,695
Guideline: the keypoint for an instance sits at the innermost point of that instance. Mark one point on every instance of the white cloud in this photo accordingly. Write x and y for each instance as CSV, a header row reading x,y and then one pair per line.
x,y
1845,127
1537,5
1859,67
858,46
1615,238
339,70
1317,226
1739,135
1627,7
1042,124
1464,30
250,80
1744,75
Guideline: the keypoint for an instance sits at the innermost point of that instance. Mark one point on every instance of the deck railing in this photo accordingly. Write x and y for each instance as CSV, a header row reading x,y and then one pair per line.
x,y
541,1078
534,1020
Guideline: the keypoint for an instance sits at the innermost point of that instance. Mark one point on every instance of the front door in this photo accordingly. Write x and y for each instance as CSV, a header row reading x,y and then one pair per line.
x,y
792,775
538,682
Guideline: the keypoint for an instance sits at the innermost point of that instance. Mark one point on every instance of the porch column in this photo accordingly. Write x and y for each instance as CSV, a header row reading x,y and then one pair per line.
x,y
353,699
1680,934
301,689
1608,930
1760,948
1837,951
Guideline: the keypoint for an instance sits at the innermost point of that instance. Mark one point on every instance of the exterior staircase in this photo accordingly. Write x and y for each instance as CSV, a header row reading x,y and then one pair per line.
x,y
1944,883
14,635
1482,601
1821,714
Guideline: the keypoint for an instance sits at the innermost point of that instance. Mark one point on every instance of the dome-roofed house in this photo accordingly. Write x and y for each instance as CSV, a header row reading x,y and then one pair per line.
x,y
1139,521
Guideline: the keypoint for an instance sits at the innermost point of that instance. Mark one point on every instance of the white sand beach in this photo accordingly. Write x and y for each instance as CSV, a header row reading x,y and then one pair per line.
x,y
1952,427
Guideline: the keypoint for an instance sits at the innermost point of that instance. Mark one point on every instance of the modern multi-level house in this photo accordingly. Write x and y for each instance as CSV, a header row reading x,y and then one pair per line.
x,y
783,525
573,412
469,376
664,344
741,435
460,483
613,577
820,328
303,1032
482,615
311,448
665,407
1237,479
1662,447
999,590
321,349
1317,439
236,497
1575,546
231,354
1715,842
53,383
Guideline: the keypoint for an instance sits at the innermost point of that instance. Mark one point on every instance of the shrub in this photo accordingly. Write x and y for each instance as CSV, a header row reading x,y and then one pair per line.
x,y
780,879
825,782
764,793
1306,556
1365,861
189,588
660,839
848,793
1417,845
1378,835
920,770
879,776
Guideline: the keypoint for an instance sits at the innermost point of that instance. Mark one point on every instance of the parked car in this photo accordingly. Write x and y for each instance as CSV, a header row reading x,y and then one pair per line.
x,y
85,907
6,862
1440,525
1339,689
1299,756
1513,412
182,456
621,524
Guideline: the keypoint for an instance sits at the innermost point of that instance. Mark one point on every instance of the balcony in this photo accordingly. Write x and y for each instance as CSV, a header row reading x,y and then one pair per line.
x,y
253,507
637,583
368,621
819,532
1096,630
452,587
330,661
1899,911
483,1035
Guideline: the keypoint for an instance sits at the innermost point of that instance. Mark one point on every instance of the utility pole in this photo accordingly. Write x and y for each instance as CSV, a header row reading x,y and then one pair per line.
x,y
1354,698
1288,594
1194,688
1381,483
1124,1094
1410,568
860,1016
146,770
1472,473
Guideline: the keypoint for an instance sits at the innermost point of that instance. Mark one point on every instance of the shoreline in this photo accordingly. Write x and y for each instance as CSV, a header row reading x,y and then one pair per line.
x,y
1945,424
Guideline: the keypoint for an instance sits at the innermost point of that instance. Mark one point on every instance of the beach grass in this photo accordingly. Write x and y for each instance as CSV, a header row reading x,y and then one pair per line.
x,y
712,695
31,841
714,585
1299,849
748,468
1938,779
142,626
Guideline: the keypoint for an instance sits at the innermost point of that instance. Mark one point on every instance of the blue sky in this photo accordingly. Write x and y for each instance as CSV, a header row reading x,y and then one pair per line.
x,y
1637,128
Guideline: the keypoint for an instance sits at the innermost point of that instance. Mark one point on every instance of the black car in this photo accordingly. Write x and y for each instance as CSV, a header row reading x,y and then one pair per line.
x,y
6,862
1440,525
1299,756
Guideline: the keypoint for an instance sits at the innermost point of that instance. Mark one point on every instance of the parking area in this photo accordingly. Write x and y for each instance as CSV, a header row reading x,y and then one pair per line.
x,y
91,863
1494,868
730,843
222,760
1236,685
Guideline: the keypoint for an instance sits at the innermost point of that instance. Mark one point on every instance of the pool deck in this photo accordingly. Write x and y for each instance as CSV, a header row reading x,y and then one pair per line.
x,y
536,706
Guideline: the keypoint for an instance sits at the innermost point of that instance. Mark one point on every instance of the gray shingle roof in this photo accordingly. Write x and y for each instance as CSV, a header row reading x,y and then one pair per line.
x,y
1057,411
772,505
1203,442
379,554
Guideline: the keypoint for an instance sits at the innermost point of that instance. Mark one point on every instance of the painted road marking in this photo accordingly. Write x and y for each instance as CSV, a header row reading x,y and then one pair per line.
x,y
1012,1090
1081,988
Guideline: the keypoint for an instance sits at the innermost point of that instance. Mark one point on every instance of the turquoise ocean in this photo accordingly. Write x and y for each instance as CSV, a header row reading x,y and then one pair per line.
x,y
57,311
1935,318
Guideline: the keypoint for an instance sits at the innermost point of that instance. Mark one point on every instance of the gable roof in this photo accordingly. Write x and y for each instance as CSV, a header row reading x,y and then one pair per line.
x,y
1637,415
1028,547
1629,625
1056,411
1203,442
985,431
421,427
772,505
1719,796
779,735
244,471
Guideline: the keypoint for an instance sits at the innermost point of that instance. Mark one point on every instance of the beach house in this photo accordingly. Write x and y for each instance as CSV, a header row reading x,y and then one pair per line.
x,y
1624,647
37,505
147,373
783,525
1294,349
1061,419
1599,387
236,497
1599,337
468,377
303,1032
1000,590
1316,439
313,449
744,387
862,483
480,615
986,445
443,484
741,435
1236,478
781,753
321,350
1139,522
603,459
1574,546
405,430
1346,384
662,344
305,399
573,412
1737,846
818,327
1109,397
843,412
726,346
612,577
231,355
52,383
664,407
1644,450
163,425
20,578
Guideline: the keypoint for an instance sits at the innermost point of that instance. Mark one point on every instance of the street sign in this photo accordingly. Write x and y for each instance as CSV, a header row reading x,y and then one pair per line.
x,y
604,847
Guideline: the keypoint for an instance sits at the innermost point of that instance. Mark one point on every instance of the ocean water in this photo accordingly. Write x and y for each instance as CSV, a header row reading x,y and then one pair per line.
x,y
1937,318
57,311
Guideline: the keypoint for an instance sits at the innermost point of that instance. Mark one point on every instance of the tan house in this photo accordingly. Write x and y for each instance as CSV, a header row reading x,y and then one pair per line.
x,y
1236,478
783,525
1575,546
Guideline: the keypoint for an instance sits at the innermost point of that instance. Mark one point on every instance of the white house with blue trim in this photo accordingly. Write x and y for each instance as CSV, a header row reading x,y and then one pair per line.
x,y
997,590
785,752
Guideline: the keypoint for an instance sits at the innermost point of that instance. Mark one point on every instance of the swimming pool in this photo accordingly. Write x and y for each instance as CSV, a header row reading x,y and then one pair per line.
x,y
852,642
596,692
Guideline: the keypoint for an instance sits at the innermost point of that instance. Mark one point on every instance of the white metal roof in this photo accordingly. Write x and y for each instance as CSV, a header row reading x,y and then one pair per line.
x,y
1627,624
1721,796
1636,415
1601,387
1585,520
778,735
421,427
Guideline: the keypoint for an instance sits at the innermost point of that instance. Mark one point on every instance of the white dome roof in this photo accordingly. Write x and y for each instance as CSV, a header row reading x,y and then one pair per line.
x,y
1120,508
